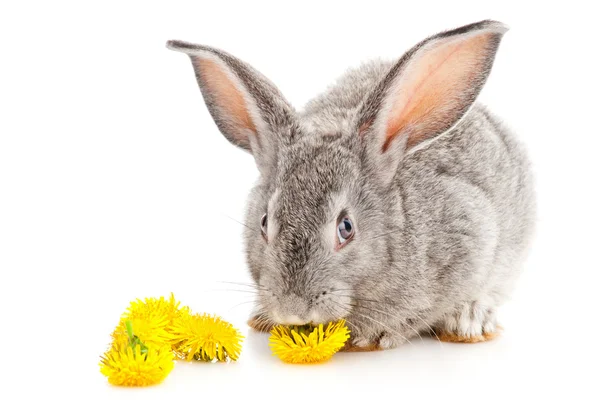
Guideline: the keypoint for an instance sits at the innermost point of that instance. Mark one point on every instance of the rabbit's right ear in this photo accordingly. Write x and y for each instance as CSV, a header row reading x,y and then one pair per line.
x,y
248,109
427,92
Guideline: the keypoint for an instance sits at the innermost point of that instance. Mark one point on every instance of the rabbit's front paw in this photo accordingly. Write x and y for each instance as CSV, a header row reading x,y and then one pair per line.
x,y
472,323
360,344
261,323
384,341
390,340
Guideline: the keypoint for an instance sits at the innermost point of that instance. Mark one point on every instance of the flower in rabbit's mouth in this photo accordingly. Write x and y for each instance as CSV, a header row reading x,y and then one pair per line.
x,y
308,344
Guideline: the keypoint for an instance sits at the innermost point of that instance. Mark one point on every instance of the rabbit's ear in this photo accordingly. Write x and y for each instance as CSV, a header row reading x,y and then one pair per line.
x,y
431,87
248,109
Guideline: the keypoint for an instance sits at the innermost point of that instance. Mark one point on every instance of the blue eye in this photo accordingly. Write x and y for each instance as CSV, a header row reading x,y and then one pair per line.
x,y
345,230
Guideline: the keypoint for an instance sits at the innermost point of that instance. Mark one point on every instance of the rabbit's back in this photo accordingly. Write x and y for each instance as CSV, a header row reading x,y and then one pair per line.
x,y
468,198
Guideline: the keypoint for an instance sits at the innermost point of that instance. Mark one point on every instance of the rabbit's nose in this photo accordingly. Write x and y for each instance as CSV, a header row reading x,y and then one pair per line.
x,y
291,310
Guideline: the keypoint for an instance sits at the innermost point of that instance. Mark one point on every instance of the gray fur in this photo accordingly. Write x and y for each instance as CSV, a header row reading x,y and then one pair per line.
x,y
438,244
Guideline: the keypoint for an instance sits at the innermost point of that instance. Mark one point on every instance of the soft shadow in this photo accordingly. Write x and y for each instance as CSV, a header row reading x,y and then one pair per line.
x,y
256,347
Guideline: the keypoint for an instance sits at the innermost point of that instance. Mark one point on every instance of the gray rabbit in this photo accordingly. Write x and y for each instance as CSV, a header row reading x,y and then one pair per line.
x,y
393,200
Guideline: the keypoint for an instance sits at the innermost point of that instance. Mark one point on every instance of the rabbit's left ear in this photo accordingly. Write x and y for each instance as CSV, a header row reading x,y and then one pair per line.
x,y
430,88
248,109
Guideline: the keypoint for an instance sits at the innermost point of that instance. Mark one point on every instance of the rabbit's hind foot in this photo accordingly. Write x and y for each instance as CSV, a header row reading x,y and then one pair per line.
x,y
454,338
471,323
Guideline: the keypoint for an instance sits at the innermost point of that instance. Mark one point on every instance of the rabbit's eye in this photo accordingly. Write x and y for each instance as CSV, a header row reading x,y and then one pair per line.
x,y
263,226
345,231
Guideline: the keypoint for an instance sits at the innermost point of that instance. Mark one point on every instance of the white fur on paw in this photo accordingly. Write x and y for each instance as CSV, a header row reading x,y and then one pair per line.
x,y
361,342
471,320
388,341
490,325
474,328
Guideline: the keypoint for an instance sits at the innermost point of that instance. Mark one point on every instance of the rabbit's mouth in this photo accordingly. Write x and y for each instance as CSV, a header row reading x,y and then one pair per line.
x,y
322,308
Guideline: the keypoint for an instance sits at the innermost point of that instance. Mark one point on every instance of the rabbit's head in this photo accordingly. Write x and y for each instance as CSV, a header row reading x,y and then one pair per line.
x,y
322,214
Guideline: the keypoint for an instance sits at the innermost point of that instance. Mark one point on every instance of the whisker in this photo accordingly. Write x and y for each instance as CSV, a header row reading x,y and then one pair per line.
x,y
241,283
350,323
240,304
364,315
241,223
411,314
253,286
230,290
430,330
331,311
426,324
398,319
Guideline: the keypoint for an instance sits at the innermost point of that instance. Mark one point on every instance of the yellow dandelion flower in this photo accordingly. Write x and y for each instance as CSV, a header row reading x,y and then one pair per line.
x,y
305,344
152,320
127,366
206,338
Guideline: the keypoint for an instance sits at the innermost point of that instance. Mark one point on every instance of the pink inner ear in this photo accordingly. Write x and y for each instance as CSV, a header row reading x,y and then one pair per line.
x,y
435,87
226,95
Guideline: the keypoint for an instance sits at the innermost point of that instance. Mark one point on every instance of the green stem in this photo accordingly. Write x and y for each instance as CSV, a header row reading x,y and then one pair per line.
x,y
129,328
134,340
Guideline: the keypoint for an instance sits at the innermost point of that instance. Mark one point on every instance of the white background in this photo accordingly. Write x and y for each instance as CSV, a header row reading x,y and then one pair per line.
x,y
116,184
